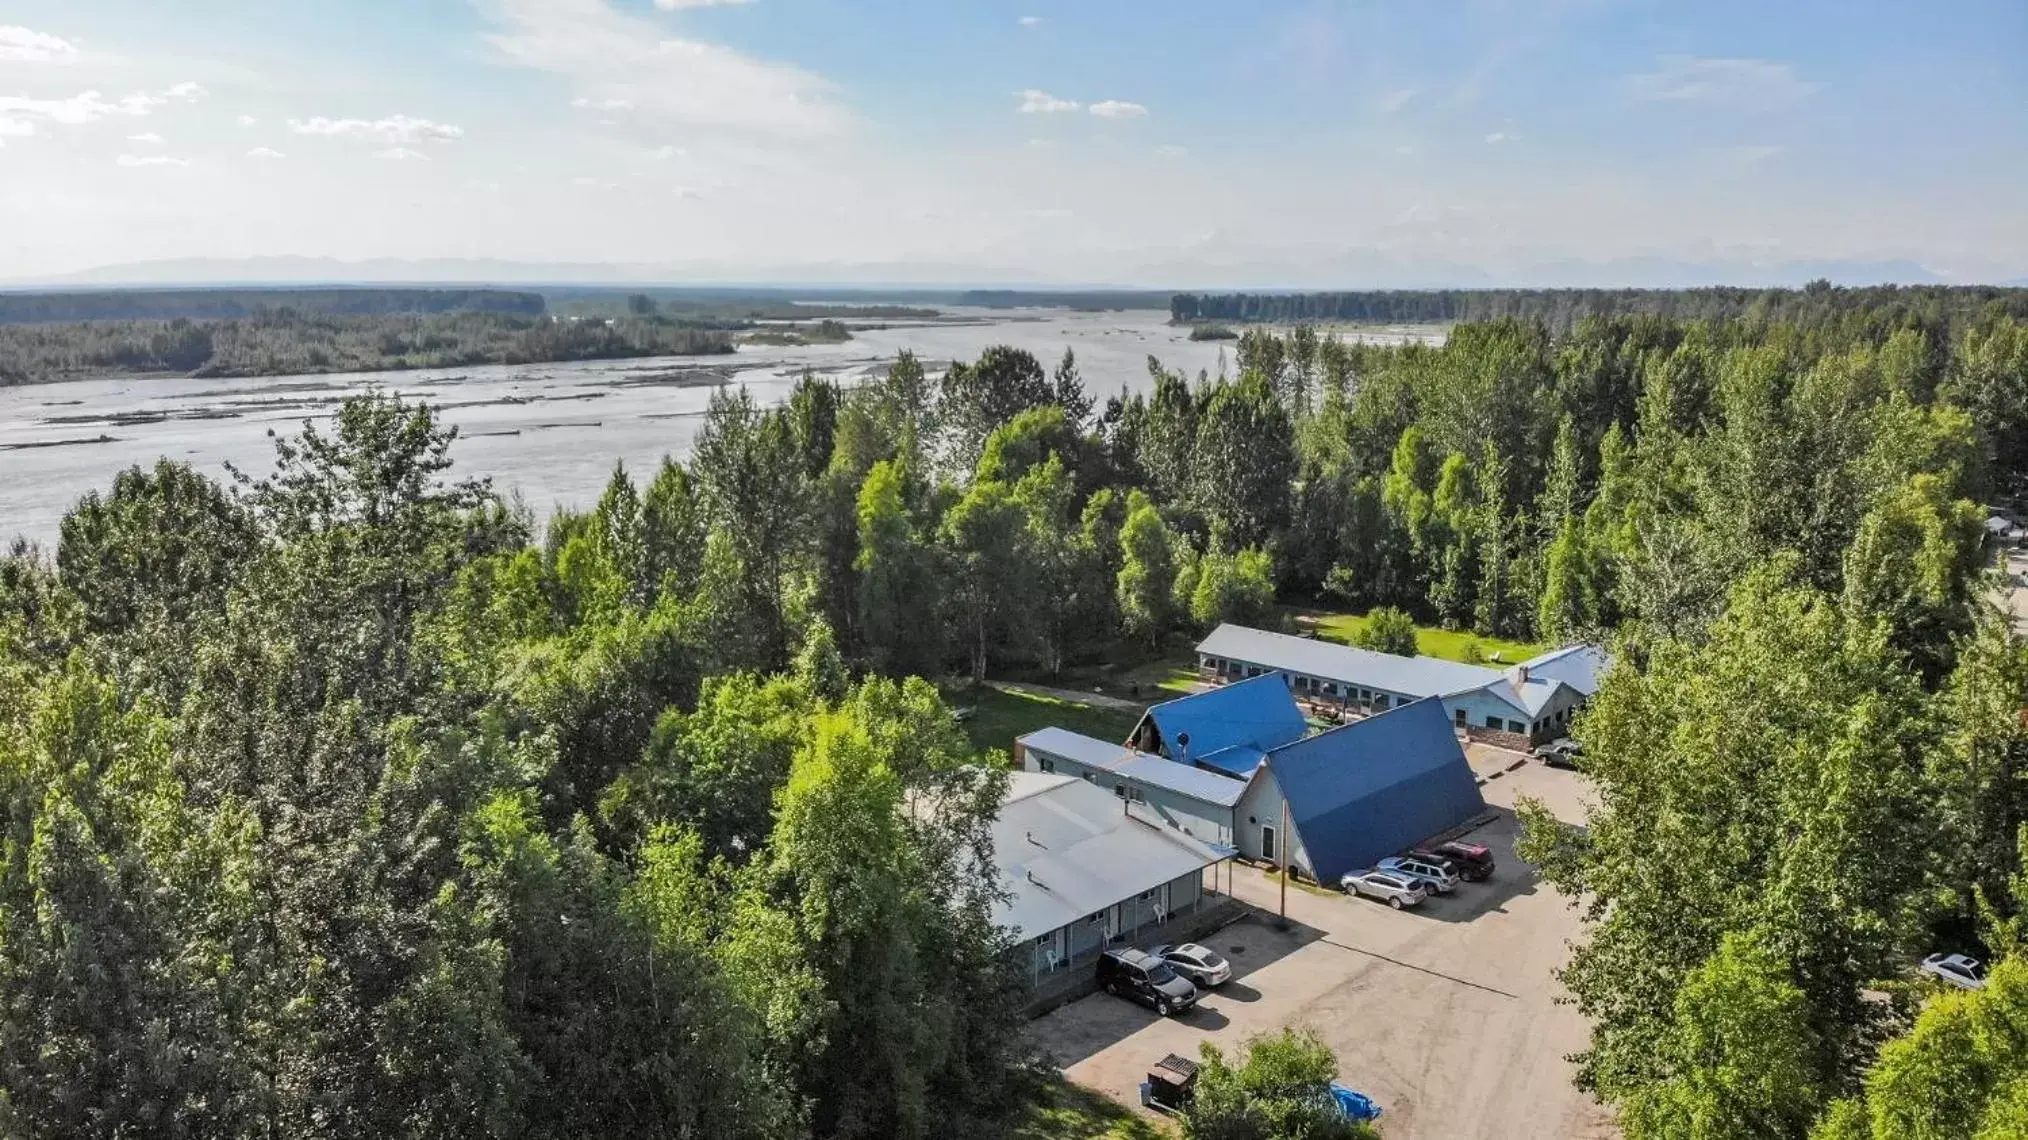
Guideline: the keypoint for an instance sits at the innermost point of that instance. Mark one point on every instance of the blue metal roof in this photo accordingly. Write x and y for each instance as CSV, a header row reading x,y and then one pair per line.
x,y
1259,713
1375,787
1144,767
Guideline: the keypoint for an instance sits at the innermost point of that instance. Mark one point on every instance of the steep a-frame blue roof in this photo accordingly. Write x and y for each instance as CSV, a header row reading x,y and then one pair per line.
x,y
1228,727
1375,787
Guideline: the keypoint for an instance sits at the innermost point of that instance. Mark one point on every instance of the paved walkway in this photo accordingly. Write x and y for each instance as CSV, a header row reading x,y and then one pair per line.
x,y
1095,700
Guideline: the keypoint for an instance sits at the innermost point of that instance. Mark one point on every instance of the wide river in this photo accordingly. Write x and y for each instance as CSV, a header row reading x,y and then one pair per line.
x,y
550,432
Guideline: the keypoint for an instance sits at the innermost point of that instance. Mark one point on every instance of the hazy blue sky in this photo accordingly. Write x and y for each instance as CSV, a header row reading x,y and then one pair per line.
x,y
1176,142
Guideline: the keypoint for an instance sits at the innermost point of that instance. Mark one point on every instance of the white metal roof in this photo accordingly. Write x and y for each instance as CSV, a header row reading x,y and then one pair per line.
x,y
1366,668
1067,849
1144,767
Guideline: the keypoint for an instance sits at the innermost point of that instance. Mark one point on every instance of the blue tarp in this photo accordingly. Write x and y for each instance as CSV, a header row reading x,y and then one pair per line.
x,y
1375,787
1258,713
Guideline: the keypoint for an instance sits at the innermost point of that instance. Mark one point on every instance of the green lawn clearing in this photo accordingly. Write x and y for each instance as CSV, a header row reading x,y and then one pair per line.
x,y
1059,1110
998,717
1430,641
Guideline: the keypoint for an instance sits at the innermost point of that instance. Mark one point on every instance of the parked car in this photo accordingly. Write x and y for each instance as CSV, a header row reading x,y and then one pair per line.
x,y
1145,978
1473,861
1200,964
1563,753
1956,970
1395,890
1433,875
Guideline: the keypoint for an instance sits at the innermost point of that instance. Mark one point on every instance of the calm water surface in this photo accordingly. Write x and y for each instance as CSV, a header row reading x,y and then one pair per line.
x,y
551,432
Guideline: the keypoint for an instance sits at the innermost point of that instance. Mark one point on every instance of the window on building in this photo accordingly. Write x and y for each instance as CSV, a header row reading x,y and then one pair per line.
x,y
1492,722
1044,764
1380,700
1120,790
1460,715
1516,726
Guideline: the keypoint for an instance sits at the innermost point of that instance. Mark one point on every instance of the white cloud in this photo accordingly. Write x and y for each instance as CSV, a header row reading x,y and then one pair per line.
x,y
1743,82
151,160
393,129
1171,150
1498,137
1035,102
1115,109
609,54
151,138
265,152
247,120
1031,21
672,5
25,45
1395,100
187,90
1404,149
19,114
603,104
401,154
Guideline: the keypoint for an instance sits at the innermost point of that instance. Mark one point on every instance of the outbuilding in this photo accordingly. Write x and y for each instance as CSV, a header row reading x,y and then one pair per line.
x,y
1081,870
1528,702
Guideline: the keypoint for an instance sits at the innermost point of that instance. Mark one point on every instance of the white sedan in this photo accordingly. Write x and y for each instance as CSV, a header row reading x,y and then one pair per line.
x,y
1956,970
1200,964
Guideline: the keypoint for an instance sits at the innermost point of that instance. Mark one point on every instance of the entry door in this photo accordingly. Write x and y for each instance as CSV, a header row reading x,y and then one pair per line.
x,y
1267,842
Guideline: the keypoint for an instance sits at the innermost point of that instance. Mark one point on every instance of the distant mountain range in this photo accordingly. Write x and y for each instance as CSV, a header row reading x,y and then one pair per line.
x,y
1350,269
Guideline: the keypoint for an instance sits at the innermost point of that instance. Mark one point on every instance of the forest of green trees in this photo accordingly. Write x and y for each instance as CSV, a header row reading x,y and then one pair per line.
x,y
338,803
1561,309
221,304
282,342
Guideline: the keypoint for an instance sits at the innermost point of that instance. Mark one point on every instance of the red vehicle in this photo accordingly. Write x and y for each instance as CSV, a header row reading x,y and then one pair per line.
x,y
1471,861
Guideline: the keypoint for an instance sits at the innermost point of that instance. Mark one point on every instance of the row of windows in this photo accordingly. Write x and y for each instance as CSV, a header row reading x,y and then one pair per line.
x,y
1374,697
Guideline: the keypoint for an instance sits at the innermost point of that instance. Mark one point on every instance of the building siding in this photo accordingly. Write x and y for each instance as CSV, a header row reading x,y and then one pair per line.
x,y
1262,807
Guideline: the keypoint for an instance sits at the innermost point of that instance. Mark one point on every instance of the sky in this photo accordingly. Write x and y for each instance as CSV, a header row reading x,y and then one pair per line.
x,y
1177,143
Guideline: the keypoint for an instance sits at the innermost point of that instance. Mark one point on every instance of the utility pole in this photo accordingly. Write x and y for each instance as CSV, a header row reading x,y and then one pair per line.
x,y
1282,837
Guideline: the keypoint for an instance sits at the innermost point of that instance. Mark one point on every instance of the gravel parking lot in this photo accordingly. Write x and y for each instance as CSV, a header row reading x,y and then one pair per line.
x,y
1446,1016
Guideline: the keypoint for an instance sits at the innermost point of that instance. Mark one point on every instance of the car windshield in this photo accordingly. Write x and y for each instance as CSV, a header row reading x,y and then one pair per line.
x,y
1160,973
1210,959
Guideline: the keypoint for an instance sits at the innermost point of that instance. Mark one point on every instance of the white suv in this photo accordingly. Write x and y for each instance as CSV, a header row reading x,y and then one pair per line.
x,y
1430,874
1395,889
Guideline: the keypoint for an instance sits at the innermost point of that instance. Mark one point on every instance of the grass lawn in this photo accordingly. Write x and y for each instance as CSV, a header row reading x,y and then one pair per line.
x,y
998,717
1059,1110
1430,641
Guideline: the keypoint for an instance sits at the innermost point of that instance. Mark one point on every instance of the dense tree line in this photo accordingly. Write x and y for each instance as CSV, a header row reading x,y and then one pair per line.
x,y
1061,299
285,342
1562,309
221,304
336,802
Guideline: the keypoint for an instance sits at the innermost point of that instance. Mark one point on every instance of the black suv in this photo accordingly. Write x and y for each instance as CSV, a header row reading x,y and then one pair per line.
x,y
1140,975
1470,861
